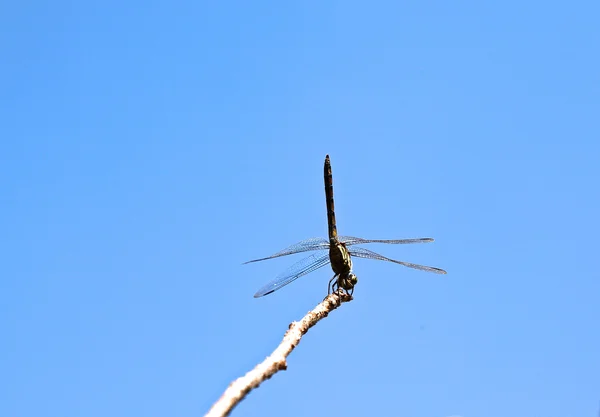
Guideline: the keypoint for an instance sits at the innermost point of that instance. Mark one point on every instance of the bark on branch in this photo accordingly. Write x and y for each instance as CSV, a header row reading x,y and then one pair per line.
x,y
239,388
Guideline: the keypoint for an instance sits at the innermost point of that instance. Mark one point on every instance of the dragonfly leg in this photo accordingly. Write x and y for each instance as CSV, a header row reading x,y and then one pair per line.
x,y
334,287
332,284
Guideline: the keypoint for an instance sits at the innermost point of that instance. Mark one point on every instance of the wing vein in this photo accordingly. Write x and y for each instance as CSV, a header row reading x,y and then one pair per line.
x,y
365,253
300,268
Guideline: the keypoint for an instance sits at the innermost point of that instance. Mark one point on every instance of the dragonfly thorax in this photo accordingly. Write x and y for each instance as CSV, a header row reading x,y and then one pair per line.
x,y
341,262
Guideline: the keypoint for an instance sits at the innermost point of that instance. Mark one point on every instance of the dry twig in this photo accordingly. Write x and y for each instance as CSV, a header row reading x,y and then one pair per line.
x,y
239,388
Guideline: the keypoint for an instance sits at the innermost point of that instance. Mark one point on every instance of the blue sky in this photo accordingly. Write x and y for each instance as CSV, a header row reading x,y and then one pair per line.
x,y
150,148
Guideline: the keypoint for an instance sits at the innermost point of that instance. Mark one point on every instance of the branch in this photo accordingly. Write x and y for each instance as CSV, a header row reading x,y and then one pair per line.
x,y
239,388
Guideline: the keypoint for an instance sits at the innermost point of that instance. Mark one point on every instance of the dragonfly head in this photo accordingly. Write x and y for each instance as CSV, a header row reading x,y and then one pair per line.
x,y
348,281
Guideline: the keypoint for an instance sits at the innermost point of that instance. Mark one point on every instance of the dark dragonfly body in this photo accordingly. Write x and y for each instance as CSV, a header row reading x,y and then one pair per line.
x,y
341,261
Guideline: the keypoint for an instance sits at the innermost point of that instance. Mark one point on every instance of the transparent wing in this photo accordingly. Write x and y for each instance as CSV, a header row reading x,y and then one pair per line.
x,y
314,243
365,253
302,267
350,240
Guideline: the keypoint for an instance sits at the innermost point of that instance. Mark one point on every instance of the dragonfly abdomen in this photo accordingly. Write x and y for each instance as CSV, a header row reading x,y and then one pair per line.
x,y
329,200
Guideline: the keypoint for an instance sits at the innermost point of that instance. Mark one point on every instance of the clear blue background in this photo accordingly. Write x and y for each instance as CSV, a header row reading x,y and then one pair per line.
x,y
149,148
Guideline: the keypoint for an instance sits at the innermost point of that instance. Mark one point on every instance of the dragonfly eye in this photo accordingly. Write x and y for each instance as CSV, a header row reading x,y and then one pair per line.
x,y
353,279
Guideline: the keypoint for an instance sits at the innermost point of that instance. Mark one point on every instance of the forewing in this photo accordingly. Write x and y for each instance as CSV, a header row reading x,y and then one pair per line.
x,y
365,253
302,267
350,240
314,243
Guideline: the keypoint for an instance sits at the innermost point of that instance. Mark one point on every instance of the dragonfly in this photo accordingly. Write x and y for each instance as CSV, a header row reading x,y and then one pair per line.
x,y
337,251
